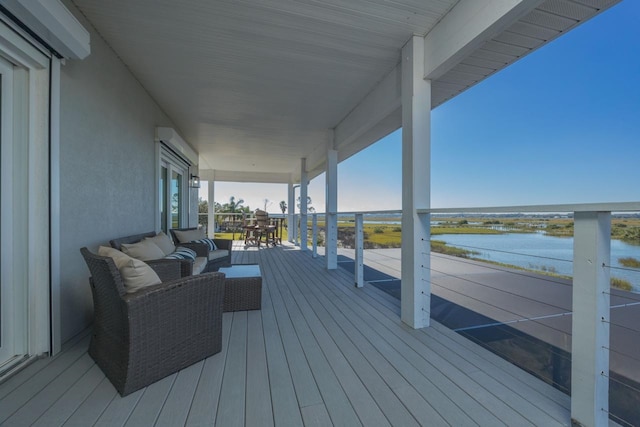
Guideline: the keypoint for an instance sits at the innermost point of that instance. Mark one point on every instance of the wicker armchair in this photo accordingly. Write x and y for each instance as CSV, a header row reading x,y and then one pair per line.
x,y
139,338
202,250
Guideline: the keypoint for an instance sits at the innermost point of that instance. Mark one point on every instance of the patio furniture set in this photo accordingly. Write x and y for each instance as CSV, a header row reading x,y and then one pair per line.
x,y
265,230
154,317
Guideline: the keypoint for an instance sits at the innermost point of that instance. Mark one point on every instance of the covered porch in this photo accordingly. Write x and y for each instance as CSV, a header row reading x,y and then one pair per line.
x,y
116,103
320,352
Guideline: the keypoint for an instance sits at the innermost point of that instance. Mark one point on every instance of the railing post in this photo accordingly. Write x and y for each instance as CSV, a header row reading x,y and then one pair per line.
x,y
314,238
304,183
359,258
211,210
591,309
331,208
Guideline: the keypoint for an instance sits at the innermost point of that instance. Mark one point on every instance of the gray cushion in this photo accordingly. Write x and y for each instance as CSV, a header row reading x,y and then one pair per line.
x,y
144,250
135,273
217,254
189,235
199,264
163,242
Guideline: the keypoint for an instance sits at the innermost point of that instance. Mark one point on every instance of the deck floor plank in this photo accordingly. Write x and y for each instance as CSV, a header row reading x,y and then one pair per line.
x,y
258,408
303,380
286,410
316,416
204,407
93,406
49,395
394,410
151,402
418,406
119,410
463,391
447,407
61,410
231,405
319,352
22,394
335,399
176,407
496,388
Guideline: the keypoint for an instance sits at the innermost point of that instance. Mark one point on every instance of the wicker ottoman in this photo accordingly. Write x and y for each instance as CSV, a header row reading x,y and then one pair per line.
x,y
242,287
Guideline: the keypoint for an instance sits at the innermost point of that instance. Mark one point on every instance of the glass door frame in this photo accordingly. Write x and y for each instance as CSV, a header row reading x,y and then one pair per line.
x,y
170,164
28,110
10,326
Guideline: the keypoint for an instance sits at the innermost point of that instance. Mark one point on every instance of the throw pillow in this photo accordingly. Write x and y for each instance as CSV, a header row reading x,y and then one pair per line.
x,y
135,274
189,235
144,250
182,253
163,242
209,242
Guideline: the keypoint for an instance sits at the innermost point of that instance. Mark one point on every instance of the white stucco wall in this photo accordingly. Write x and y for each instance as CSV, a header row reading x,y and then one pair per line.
x,y
107,179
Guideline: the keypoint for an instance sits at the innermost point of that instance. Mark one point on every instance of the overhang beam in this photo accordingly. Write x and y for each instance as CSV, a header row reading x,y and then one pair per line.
x,y
243,176
353,133
465,28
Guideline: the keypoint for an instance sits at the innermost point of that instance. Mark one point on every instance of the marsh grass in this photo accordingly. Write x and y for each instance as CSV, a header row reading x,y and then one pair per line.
x,y
629,262
618,283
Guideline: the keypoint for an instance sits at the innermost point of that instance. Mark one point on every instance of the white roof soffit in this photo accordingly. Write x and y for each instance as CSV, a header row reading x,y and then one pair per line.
x,y
54,24
257,85
514,40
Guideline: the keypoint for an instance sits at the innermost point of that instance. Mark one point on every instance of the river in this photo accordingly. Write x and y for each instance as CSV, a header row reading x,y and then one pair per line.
x,y
540,252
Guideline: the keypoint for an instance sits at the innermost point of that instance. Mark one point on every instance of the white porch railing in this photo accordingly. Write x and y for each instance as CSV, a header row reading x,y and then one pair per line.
x,y
591,314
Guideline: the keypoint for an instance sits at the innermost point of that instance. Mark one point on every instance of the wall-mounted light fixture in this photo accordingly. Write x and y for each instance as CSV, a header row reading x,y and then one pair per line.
x,y
194,181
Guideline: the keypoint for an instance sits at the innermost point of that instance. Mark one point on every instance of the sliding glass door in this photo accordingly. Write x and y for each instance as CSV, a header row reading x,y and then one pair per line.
x,y
173,191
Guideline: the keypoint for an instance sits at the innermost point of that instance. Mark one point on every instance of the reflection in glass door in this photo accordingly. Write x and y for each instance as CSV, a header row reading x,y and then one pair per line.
x,y
163,198
176,199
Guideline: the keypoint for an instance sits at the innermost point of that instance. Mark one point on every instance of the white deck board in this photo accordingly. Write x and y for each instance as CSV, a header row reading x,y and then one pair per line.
x,y
320,352
231,406
27,390
258,409
205,401
176,406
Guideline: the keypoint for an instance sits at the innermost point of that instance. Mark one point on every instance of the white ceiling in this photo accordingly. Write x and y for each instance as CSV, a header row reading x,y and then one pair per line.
x,y
256,85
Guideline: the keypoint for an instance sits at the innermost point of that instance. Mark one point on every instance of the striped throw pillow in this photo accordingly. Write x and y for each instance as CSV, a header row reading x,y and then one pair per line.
x,y
208,242
182,253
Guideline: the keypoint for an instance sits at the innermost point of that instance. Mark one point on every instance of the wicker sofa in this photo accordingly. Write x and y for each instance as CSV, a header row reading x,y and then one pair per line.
x,y
186,265
140,337
220,257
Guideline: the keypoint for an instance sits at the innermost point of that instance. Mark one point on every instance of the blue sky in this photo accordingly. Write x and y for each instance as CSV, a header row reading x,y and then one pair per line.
x,y
561,125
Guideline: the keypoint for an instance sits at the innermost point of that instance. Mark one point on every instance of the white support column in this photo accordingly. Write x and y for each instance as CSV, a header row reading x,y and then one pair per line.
x,y
314,233
291,207
304,181
591,314
211,208
331,209
359,258
416,186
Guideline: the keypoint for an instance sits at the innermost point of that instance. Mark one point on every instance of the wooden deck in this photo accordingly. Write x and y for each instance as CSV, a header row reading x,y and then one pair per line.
x,y
320,352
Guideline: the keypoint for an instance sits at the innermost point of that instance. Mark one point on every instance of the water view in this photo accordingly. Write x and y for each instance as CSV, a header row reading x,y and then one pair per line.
x,y
538,251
